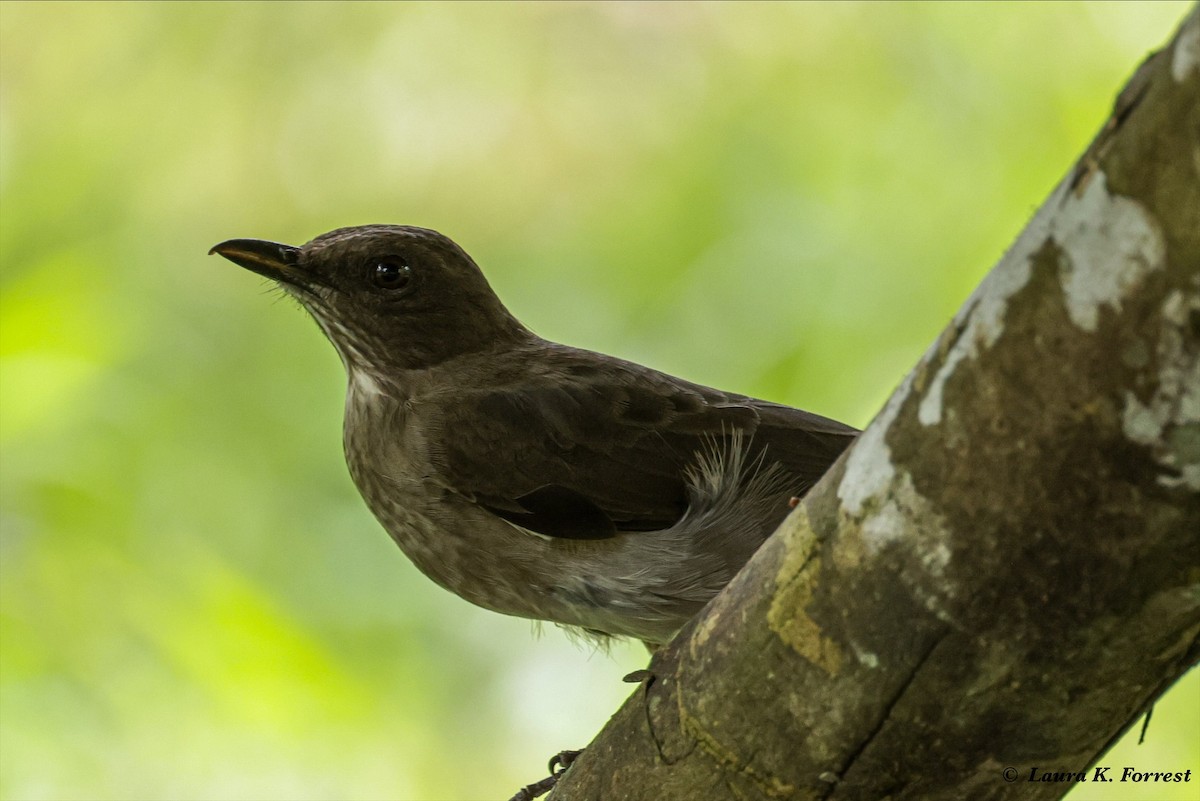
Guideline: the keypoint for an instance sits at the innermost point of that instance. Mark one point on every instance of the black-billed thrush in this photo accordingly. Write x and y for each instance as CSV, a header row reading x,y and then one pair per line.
x,y
532,478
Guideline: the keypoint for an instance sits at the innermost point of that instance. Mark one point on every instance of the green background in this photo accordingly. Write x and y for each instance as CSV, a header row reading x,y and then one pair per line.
x,y
783,200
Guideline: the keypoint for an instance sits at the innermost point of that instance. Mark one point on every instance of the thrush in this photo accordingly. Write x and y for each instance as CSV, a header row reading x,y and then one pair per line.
x,y
528,477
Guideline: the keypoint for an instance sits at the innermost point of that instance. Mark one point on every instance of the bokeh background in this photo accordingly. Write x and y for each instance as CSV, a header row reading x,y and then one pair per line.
x,y
787,200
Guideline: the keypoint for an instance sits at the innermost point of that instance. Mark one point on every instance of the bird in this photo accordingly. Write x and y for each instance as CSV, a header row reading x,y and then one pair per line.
x,y
529,477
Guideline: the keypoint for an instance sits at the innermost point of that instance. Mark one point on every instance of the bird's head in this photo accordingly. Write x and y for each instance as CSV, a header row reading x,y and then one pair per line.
x,y
389,297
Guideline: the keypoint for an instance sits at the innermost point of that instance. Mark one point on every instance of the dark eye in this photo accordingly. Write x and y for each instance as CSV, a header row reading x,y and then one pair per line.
x,y
391,274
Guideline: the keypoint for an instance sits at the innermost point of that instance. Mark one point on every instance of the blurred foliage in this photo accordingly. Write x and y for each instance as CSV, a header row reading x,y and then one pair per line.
x,y
784,200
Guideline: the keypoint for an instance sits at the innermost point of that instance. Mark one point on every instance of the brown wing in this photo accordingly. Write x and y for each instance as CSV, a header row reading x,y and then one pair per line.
x,y
590,445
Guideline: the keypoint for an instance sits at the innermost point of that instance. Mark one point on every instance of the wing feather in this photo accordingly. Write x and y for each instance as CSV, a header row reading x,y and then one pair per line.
x,y
587,445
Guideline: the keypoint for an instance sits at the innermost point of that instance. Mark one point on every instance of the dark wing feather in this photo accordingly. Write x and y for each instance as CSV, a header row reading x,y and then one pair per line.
x,y
806,444
581,445
558,511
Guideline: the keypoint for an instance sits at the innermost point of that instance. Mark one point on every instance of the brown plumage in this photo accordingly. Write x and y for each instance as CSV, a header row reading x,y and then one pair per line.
x,y
530,477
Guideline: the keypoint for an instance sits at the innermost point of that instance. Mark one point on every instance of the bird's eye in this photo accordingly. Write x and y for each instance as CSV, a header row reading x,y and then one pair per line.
x,y
391,274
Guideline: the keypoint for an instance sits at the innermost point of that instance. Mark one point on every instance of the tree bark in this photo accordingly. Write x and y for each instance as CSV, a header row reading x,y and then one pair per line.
x,y
1004,570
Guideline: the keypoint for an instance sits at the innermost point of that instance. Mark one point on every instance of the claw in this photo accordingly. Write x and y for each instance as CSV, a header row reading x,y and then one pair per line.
x,y
564,760
558,766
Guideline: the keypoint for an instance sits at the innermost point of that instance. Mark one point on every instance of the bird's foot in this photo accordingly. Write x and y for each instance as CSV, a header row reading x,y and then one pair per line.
x,y
558,766
563,760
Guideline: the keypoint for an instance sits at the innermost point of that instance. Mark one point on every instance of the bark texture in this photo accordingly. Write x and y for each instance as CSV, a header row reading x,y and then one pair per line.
x,y
1004,570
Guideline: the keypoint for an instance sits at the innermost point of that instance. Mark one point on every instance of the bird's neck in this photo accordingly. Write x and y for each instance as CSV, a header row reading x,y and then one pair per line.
x,y
375,426
364,384
376,398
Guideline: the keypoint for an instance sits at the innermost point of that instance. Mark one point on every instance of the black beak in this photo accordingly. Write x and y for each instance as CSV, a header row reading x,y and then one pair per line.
x,y
275,261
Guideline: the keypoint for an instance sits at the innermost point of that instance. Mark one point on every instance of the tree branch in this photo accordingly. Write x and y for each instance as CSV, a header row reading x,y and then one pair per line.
x,y
1004,570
